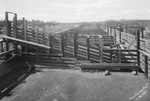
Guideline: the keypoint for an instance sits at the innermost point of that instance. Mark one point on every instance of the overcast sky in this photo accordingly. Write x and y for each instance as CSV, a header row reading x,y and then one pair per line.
x,y
77,10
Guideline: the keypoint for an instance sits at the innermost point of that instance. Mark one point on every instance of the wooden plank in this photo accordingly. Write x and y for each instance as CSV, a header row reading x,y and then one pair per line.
x,y
56,65
15,25
26,42
7,52
145,53
6,23
62,44
109,65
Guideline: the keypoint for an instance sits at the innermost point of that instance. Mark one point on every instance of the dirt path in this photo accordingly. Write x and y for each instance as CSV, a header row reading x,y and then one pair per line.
x,y
70,85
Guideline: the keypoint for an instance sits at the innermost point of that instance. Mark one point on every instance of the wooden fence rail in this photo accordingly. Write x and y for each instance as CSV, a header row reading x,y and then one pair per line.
x,y
135,42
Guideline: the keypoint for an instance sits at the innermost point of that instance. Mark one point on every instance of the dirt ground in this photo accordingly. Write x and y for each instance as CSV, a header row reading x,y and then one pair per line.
x,y
74,85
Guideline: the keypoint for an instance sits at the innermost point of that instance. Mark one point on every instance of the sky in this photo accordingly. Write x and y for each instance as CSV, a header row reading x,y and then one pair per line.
x,y
77,10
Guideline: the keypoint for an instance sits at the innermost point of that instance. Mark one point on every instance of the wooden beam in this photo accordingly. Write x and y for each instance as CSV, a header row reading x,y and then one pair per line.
x,y
88,47
120,34
142,33
138,47
62,44
50,42
75,45
109,65
1,44
7,52
101,48
146,66
145,53
37,35
15,25
25,42
6,24
115,36
25,32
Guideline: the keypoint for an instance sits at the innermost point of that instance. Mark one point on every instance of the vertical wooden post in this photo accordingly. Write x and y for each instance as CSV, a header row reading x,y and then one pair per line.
x,y
50,43
25,28
120,34
101,48
138,39
44,41
88,47
108,29
0,46
1,43
7,45
126,29
6,24
33,28
15,25
37,35
146,66
75,45
62,44
25,33
120,55
138,48
15,32
142,32
115,36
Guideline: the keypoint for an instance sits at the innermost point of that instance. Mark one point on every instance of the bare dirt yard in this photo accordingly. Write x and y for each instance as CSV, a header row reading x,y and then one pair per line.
x,y
74,85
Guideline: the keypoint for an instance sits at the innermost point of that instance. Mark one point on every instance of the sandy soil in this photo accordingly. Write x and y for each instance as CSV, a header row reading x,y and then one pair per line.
x,y
73,85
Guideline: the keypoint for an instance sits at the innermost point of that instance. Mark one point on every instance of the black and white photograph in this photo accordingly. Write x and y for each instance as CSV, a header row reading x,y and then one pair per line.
x,y
74,50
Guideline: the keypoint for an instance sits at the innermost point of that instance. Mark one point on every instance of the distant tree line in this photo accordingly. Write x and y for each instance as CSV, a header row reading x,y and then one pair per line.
x,y
37,23
132,23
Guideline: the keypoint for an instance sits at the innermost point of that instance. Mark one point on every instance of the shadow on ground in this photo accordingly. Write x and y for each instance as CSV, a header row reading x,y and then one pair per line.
x,y
17,70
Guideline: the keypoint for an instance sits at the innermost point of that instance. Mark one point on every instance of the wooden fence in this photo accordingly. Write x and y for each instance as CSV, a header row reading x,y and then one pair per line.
x,y
135,42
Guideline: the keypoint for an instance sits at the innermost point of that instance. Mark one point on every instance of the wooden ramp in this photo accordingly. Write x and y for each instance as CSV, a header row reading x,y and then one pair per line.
x,y
26,42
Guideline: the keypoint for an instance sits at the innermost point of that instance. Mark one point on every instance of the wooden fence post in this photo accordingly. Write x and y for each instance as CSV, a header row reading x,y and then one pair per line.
x,y
62,44
7,45
126,29
15,32
25,33
138,48
115,36
146,66
50,43
101,48
25,28
88,47
15,26
6,24
138,45
107,29
1,43
44,41
110,30
37,35
75,45
33,29
142,32
120,34
120,55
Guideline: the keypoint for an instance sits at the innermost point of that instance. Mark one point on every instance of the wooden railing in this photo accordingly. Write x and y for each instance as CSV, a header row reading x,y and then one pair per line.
x,y
24,32
136,42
